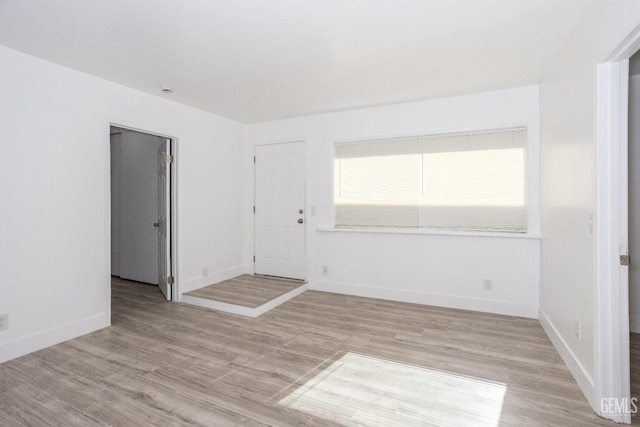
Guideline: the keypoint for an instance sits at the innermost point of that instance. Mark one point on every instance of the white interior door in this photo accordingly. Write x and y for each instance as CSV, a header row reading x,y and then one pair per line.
x,y
280,171
163,225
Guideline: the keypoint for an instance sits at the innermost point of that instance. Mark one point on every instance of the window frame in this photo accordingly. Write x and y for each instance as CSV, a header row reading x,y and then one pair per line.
x,y
532,188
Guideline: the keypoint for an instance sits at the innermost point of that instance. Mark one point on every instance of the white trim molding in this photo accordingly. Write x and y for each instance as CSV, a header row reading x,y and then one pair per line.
x,y
577,369
441,300
428,232
240,309
49,337
611,322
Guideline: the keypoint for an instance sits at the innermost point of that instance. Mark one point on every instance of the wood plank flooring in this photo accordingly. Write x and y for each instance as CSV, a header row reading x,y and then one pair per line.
x,y
247,290
319,359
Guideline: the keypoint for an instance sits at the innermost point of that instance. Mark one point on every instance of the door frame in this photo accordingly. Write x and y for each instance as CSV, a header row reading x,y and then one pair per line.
x,y
144,128
305,146
611,331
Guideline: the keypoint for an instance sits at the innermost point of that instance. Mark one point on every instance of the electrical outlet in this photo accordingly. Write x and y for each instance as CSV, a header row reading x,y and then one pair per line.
x,y
325,270
4,321
488,285
577,329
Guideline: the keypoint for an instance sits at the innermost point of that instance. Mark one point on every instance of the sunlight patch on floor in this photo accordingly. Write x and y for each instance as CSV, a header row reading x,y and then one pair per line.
x,y
364,390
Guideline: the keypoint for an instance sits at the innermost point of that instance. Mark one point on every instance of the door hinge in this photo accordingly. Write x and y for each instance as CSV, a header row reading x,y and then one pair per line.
x,y
254,209
169,158
254,159
254,258
625,259
170,280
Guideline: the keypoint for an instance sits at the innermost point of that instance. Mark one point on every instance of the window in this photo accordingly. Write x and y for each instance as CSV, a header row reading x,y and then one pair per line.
x,y
461,181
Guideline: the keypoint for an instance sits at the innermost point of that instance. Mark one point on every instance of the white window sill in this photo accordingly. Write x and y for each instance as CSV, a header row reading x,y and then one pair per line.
x,y
429,232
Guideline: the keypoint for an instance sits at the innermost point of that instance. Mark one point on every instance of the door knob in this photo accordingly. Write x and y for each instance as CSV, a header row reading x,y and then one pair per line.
x,y
300,221
156,224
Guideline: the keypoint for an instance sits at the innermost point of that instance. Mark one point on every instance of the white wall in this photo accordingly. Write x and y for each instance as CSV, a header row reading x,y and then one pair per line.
x,y
54,221
567,103
429,269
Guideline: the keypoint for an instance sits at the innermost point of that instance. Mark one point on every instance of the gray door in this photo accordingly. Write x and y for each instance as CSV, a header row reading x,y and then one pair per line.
x,y
135,206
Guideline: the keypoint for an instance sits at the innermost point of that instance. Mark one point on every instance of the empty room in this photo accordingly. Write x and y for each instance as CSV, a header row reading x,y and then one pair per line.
x,y
297,212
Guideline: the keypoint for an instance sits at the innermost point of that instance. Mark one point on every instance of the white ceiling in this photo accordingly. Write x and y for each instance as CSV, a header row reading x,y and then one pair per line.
x,y
259,60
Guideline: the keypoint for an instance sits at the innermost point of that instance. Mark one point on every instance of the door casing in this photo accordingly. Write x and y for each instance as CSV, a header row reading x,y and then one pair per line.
x,y
611,320
163,221
130,125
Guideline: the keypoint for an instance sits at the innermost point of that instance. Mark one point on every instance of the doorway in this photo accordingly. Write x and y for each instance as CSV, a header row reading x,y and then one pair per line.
x,y
280,210
141,206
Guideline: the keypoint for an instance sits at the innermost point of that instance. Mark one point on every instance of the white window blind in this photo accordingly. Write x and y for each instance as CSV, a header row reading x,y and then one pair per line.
x,y
463,181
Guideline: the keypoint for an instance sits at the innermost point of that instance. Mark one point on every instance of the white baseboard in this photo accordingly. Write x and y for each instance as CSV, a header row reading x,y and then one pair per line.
x,y
219,276
441,300
577,369
49,337
242,310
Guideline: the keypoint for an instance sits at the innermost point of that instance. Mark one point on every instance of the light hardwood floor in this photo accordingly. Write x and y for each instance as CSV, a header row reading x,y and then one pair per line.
x,y
247,290
319,359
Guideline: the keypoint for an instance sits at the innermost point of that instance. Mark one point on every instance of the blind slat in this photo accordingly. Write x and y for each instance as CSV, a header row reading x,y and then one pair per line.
x,y
464,181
